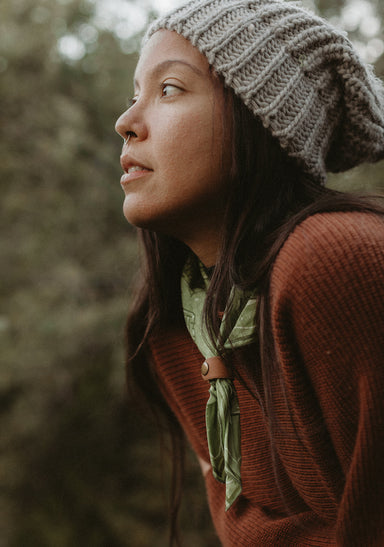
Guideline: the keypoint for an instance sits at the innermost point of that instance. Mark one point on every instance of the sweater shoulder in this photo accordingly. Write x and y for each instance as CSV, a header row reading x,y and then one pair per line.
x,y
337,245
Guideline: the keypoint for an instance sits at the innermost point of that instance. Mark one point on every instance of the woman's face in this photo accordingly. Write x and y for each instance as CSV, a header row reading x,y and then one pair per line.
x,y
176,160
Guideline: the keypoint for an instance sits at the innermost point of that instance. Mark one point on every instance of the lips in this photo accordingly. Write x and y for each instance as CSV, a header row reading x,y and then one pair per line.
x,y
131,165
133,170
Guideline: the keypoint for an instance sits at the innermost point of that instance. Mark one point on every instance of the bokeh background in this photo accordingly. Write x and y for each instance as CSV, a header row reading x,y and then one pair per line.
x,y
79,465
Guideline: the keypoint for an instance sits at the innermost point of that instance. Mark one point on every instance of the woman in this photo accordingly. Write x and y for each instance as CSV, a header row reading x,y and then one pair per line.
x,y
259,283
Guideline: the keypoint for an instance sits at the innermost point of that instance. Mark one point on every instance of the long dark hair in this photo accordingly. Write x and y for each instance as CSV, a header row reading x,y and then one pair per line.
x,y
270,194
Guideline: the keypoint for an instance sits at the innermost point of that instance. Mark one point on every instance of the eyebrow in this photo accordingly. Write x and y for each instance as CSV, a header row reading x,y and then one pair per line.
x,y
166,64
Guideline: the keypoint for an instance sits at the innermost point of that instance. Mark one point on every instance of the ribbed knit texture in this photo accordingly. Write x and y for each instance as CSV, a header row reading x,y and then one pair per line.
x,y
327,298
296,72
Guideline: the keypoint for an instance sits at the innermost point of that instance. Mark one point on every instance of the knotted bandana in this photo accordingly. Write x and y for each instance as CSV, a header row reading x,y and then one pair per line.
x,y
222,412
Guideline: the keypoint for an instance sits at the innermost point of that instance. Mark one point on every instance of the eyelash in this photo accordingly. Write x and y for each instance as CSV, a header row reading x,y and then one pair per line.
x,y
167,85
163,86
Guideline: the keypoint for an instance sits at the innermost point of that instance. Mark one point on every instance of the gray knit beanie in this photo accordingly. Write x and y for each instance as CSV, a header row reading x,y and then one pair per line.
x,y
296,72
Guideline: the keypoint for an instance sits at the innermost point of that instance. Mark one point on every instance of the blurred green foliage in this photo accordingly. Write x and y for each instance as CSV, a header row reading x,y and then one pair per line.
x,y
78,464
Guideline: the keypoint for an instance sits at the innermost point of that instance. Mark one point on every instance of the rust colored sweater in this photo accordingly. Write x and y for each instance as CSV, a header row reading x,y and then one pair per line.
x,y
327,301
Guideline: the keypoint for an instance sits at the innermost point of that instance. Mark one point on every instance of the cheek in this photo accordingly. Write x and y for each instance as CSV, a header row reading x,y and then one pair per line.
x,y
194,144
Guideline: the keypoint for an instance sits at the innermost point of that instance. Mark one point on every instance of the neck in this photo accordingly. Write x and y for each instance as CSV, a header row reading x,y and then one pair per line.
x,y
203,238
205,249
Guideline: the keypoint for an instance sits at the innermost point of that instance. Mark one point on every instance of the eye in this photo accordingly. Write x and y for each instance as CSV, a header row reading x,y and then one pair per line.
x,y
169,90
132,101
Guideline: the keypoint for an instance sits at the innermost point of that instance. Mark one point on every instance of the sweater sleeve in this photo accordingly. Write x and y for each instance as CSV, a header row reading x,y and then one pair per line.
x,y
327,306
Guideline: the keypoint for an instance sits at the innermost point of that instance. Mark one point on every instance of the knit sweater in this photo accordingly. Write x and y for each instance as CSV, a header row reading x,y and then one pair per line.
x,y
327,304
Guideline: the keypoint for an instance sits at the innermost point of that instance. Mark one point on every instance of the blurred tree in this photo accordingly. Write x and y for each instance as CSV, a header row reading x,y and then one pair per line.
x,y
363,20
74,454
77,465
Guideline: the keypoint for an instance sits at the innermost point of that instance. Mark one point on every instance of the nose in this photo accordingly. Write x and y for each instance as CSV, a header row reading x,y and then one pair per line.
x,y
131,124
121,126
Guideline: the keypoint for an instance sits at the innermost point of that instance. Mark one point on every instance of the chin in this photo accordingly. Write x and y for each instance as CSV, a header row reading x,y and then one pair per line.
x,y
139,218
159,219
135,214
135,221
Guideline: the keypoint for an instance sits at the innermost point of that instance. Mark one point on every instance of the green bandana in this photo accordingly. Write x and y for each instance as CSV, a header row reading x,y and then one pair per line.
x,y
222,412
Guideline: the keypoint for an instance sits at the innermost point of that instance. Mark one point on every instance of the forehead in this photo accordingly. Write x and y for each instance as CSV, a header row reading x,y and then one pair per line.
x,y
166,45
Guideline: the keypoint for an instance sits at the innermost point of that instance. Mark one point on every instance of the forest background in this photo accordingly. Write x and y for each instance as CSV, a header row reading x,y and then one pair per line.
x,y
79,465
